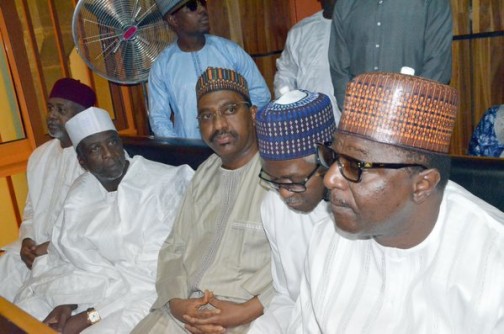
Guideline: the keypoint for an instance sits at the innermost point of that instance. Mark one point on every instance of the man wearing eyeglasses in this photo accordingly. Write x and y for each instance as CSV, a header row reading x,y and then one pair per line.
x,y
288,130
412,252
172,100
214,270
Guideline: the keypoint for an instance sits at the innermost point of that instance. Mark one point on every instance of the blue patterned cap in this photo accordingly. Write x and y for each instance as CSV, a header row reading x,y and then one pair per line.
x,y
289,127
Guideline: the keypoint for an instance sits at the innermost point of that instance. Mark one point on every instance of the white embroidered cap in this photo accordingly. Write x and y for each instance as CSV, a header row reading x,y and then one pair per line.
x,y
88,122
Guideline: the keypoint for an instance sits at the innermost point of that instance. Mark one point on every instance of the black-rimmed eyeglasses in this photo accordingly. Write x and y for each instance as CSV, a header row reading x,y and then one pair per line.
x,y
192,5
351,168
294,187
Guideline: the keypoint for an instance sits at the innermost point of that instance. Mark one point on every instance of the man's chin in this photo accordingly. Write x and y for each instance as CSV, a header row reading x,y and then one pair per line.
x,y
55,134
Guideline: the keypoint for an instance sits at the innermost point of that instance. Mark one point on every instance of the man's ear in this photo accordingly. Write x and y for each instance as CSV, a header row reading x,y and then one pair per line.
x,y
253,113
82,161
172,21
425,184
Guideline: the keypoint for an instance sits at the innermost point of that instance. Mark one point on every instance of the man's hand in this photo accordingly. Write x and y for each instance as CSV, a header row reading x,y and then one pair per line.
x,y
58,317
193,307
76,323
28,252
180,307
41,249
229,314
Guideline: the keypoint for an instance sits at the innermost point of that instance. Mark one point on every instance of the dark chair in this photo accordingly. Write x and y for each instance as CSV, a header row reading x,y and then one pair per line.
x,y
170,151
484,177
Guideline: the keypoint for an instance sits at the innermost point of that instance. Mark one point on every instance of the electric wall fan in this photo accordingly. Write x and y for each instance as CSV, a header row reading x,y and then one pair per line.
x,y
120,39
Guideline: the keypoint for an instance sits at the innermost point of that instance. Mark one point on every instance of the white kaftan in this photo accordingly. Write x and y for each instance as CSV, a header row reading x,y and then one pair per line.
x,y
304,63
104,248
288,233
452,282
51,171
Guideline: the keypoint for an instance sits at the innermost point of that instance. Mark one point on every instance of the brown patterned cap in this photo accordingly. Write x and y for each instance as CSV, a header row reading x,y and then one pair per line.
x,y
214,79
401,110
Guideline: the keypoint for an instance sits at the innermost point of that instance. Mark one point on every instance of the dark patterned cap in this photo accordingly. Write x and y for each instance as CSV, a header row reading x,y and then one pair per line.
x,y
214,79
166,6
289,127
401,110
75,91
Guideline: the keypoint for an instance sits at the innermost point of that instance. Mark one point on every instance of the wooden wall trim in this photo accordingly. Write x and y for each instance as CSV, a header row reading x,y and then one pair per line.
x,y
59,40
33,46
21,73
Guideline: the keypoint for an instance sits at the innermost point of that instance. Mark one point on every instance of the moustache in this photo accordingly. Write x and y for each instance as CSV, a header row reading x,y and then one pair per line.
x,y
339,202
222,133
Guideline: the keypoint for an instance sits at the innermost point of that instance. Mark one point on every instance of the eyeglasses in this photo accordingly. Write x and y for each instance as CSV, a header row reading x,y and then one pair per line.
x,y
227,110
293,187
192,5
351,168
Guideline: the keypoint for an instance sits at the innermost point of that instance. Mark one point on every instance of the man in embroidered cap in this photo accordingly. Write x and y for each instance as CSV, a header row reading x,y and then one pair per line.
x,y
214,269
99,275
52,168
172,99
412,252
288,130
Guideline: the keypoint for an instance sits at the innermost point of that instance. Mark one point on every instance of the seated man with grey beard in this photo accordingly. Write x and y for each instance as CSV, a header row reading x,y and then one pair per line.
x,y
51,170
99,275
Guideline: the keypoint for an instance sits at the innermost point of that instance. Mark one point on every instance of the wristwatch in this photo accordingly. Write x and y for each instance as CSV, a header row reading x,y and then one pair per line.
x,y
92,316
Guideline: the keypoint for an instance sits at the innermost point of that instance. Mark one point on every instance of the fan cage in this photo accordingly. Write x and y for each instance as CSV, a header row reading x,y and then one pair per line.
x,y
120,40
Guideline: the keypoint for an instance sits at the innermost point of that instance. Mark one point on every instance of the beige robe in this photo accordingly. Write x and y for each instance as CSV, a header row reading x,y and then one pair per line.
x,y
217,243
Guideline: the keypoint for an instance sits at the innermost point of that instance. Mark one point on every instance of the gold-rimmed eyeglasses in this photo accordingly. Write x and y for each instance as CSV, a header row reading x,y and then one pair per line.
x,y
227,110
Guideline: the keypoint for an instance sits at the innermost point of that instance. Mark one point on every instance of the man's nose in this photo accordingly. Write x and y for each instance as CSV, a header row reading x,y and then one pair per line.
x,y
106,152
51,113
219,121
285,193
334,179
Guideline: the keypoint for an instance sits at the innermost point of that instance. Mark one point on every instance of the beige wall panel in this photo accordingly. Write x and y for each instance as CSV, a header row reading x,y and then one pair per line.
x,y
488,15
460,13
488,74
461,79
8,223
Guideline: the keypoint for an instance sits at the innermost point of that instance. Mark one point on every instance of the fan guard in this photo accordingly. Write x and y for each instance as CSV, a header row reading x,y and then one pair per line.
x,y
120,39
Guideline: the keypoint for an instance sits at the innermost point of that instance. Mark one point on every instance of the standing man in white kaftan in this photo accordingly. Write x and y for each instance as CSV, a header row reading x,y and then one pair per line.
x,y
52,168
173,76
99,275
412,252
214,268
294,205
304,63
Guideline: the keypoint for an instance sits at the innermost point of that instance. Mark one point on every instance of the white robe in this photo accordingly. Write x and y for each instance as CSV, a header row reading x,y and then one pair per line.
x,y
304,63
289,235
452,282
104,248
51,171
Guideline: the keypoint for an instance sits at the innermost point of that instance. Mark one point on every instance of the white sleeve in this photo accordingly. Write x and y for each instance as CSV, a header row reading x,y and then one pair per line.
x,y
287,66
303,318
159,103
26,228
277,315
